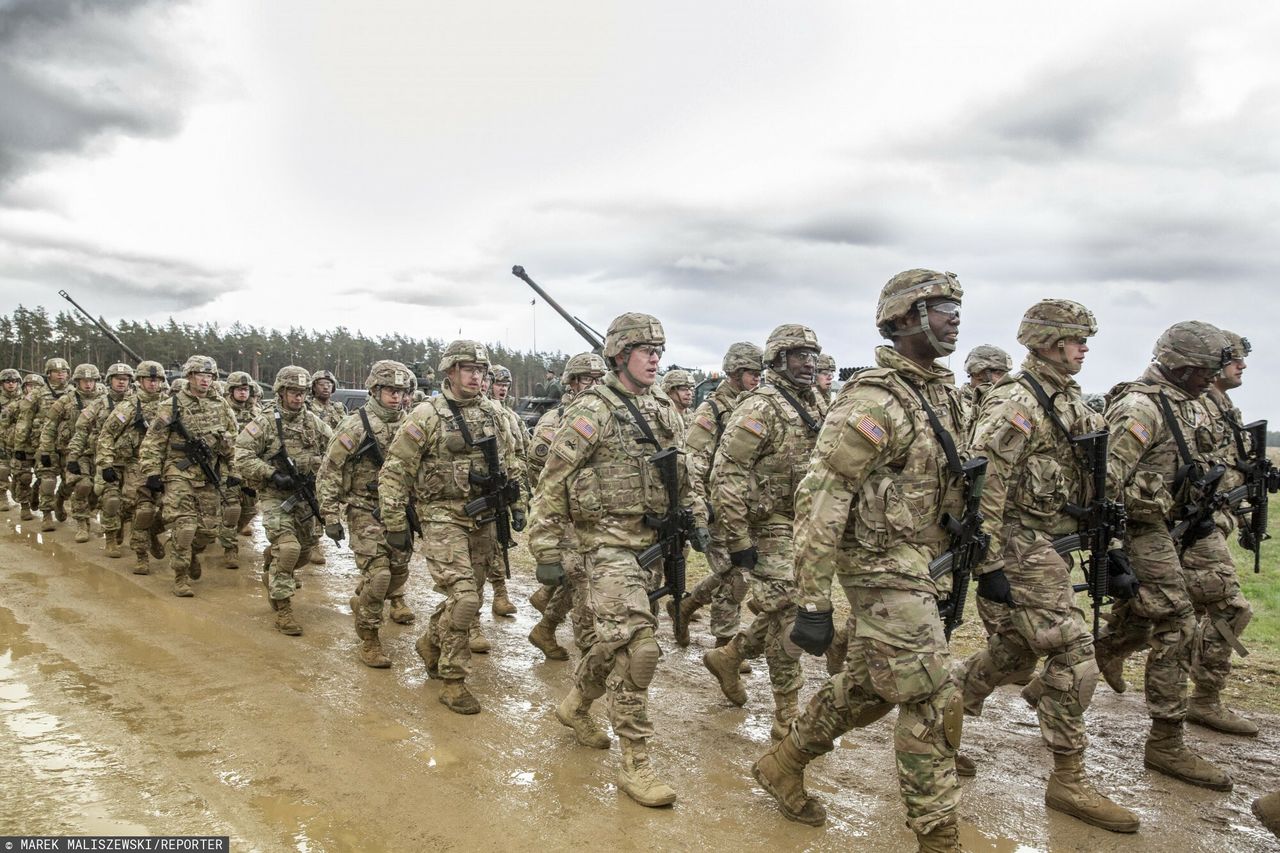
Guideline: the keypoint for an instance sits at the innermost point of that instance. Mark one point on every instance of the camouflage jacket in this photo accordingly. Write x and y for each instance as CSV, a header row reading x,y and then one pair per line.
x,y
429,461
349,471
122,432
1143,457
544,432
971,400
330,411
32,412
872,501
84,435
305,439
244,412
1032,470
163,450
762,456
1231,446
9,404
703,439
60,422
598,475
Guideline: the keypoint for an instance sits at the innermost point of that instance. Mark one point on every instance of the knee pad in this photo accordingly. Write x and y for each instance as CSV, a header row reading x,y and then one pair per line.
x,y
83,489
953,719
144,515
286,552
48,485
378,582
183,536
465,609
1069,678
231,513
111,506
643,651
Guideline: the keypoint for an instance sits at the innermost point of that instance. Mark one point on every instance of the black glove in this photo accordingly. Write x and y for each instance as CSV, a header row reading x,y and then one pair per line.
x,y
746,558
517,520
334,531
700,539
46,461
550,574
813,631
232,482
994,586
20,455
109,475
155,484
73,467
1121,580
282,481
251,493
401,540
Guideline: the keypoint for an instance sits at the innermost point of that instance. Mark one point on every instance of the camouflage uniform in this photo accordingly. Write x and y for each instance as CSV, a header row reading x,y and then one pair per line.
x,y
9,401
25,487
826,364
124,495
764,453
191,506
81,452
598,477
55,436
495,571
243,412
349,476
981,358
27,430
330,411
673,379
287,518
431,462
1143,466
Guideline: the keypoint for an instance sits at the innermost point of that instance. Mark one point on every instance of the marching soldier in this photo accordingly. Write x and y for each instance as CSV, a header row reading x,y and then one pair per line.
x,y
80,457
320,400
495,571
55,436
10,397
32,413
985,365
242,396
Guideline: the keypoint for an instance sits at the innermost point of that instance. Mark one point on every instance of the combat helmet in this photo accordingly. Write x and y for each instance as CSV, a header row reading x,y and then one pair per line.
x,y
120,369
292,377
632,329
32,379
1240,347
323,374
56,364
10,375
1193,343
463,352
674,379
387,373
1051,320
906,293
743,355
200,364
789,336
987,357
584,364
179,384
86,371
240,379
500,373
149,370
826,362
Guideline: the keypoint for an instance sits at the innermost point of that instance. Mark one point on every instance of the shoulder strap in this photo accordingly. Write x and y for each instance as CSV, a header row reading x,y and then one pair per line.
x,y
1236,432
1178,437
812,425
177,416
1046,403
279,428
944,437
639,418
718,416
459,421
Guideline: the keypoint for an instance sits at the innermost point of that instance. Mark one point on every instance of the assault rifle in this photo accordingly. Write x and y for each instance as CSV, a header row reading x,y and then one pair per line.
x,y
198,452
1261,480
499,495
370,447
968,545
675,527
1100,521
1204,500
305,486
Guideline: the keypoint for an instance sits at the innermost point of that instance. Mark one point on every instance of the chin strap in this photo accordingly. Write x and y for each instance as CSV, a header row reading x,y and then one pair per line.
x,y
940,348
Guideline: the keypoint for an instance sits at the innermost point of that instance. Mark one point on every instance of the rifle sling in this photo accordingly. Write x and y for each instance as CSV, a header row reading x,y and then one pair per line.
x,y
1046,403
1188,463
639,419
1236,432
459,421
944,437
370,438
812,425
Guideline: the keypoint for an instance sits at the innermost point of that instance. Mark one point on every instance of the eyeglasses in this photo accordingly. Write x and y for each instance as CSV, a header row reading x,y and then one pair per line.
x,y
649,350
474,369
948,307
804,356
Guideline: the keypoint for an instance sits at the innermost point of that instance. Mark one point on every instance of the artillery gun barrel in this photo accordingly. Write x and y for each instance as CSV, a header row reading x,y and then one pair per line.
x,y
103,327
578,326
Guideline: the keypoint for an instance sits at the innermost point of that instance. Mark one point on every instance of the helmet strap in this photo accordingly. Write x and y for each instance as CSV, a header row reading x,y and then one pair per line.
x,y
941,348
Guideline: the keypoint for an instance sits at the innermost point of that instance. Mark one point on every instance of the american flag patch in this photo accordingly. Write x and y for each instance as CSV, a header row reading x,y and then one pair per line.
x,y
871,430
1020,421
122,417
415,432
251,428
583,427
347,441
705,422
753,425
1140,432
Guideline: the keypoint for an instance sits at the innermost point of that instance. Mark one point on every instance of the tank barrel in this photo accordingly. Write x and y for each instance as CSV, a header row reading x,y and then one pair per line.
x,y
591,337
103,327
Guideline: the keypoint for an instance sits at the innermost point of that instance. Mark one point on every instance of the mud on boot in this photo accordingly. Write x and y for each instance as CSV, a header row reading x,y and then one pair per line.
x,y
965,766
181,587
455,696
723,664
940,839
477,642
575,712
47,523
285,623
1267,810
744,668
780,771
541,598
1111,667
501,605
1166,752
231,557
371,654
141,563
1206,709
112,545
399,611
1070,793
82,530
429,652
543,636
637,779
688,606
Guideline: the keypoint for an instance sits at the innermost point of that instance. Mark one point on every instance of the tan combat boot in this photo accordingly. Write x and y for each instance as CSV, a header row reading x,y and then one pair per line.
x,y
1267,810
157,547
780,771
285,623
195,570
541,598
26,514
316,556
501,605
1206,709
399,611
112,545
688,606
785,710
371,654
457,698
637,780
231,557
1111,666
723,663
477,641
181,586
940,839
1070,793
965,766
47,523
543,636
429,652
141,564
745,666
82,530
1166,753
575,712
60,506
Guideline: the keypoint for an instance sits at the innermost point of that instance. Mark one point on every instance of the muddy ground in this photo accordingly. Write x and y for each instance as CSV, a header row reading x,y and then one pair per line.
x,y
126,710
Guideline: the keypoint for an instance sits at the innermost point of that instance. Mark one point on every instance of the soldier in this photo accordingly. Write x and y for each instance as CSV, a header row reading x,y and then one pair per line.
x,y
119,479
678,385
495,570
555,602
185,427
768,438
436,460
349,477
55,435
321,402
80,458
24,486
826,375
1160,439
32,412
986,365
1222,612
10,397
294,431
1024,427
243,396
724,587
868,511
599,477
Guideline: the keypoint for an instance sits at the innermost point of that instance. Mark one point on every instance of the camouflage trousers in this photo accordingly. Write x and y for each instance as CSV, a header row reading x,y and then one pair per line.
x,y
384,571
54,489
723,588
1161,618
137,506
22,484
1045,623
773,585
571,599
83,499
115,500
292,534
453,554
489,565
193,512
623,655
1221,609
897,656
6,474
233,498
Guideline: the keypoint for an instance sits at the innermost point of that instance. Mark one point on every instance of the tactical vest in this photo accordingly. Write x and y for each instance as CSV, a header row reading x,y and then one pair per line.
x,y
775,476
446,476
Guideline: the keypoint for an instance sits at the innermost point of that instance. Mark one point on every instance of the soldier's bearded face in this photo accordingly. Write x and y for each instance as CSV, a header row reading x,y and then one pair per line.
x,y
291,399
119,383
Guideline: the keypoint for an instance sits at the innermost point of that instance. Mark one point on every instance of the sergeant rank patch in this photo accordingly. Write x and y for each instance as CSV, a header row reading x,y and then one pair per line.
x,y
1140,432
870,429
1019,420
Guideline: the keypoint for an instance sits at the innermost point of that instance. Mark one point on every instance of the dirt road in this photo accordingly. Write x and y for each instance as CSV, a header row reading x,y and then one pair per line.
x,y
126,710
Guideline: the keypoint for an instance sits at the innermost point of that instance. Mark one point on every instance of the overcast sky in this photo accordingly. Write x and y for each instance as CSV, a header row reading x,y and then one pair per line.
x,y
727,166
